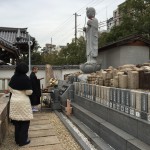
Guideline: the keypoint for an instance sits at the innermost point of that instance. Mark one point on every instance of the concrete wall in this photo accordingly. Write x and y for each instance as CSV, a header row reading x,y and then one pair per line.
x,y
124,55
58,73
3,117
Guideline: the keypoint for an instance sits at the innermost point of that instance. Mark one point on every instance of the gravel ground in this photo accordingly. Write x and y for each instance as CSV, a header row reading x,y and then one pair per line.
x,y
62,133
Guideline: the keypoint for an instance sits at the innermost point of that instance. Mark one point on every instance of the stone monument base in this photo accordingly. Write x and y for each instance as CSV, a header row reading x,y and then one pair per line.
x,y
90,67
83,77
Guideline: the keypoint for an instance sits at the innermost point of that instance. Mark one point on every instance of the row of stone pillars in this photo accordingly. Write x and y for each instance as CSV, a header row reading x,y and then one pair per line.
x,y
4,84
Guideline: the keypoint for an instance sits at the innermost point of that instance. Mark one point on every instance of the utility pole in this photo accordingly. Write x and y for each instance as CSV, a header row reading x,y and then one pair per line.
x,y
51,45
51,40
76,15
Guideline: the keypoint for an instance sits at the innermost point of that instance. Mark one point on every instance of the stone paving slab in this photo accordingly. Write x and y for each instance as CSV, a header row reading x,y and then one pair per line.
x,y
47,147
39,122
40,133
40,117
42,141
40,127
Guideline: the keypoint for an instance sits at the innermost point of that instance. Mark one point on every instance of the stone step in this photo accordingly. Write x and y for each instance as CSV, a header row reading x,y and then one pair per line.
x,y
117,138
46,147
40,127
99,143
40,117
39,122
132,125
43,141
40,133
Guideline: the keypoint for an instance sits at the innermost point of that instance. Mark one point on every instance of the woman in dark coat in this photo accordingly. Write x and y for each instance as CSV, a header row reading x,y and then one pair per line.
x,y
20,106
35,97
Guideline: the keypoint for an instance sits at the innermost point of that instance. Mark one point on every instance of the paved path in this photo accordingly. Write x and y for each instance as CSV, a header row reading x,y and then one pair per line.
x,y
42,134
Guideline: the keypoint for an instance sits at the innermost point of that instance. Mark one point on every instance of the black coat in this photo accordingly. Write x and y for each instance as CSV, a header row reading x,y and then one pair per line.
x,y
35,97
20,81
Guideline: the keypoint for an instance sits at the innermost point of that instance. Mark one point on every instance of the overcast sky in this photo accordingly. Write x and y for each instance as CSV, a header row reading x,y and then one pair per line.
x,y
46,19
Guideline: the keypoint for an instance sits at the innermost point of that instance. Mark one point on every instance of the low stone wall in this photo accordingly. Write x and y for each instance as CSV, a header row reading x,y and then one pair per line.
x,y
4,103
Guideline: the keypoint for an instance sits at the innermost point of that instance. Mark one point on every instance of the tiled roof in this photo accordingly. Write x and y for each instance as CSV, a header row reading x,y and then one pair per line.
x,y
9,37
124,41
11,34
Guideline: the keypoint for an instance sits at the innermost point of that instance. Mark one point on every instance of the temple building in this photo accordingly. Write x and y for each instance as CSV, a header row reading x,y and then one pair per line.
x,y
13,43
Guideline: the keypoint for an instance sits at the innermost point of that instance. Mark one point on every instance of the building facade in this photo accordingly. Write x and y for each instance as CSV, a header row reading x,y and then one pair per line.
x,y
130,50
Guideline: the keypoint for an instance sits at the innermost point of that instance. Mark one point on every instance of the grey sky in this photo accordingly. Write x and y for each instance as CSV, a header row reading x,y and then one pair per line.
x,y
52,18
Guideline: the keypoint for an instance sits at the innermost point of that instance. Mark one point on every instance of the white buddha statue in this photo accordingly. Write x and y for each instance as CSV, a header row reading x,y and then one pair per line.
x,y
91,43
91,36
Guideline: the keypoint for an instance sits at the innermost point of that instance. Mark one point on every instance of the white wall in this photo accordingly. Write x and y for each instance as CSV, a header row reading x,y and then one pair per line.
x,y
59,74
134,55
124,55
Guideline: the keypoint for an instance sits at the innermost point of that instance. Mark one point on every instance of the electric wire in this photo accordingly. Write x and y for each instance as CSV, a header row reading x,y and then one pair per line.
x,y
61,30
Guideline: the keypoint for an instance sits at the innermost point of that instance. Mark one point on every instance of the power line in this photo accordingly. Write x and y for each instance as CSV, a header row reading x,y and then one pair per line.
x,y
69,19
76,15
59,27
60,30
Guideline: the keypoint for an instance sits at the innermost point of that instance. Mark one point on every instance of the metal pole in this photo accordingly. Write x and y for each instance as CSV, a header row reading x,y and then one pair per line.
x,y
75,28
29,44
76,15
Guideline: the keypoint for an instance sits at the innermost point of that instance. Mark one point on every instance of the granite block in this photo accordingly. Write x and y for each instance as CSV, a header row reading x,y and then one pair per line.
x,y
110,104
143,115
137,113
107,93
127,109
102,92
92,106
135,144
118,95
93,92
144,131
114,95
86,119
138,100
114,105
112,138
144,102
118,107
132,99
148,117
123,121
97,90
132,111
127,99
111,96
148,102
1,139
123,96
3,110
122,108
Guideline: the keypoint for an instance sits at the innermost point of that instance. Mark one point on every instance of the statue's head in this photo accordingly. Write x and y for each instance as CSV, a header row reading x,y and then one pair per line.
x,y
90,12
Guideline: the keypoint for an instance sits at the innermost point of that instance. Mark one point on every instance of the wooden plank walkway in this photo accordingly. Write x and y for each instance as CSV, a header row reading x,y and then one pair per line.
x,y
42,134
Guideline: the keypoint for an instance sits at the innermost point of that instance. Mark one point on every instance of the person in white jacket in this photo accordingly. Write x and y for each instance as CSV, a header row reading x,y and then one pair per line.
x,y
20,106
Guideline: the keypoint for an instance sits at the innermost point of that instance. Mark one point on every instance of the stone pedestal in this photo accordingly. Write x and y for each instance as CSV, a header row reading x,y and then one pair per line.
x,y
83,77
90,67
3,117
